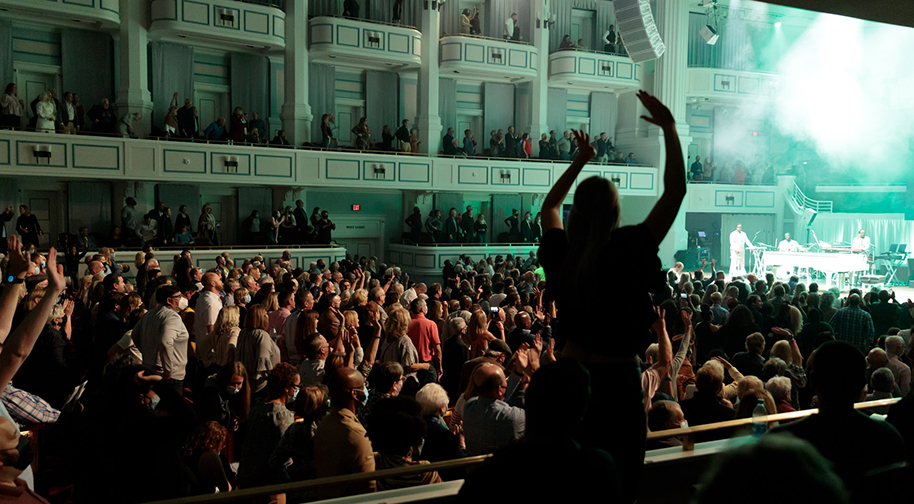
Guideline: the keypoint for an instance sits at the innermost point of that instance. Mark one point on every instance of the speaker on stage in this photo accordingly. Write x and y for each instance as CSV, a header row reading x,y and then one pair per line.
x,y
635,24
808,217
709,34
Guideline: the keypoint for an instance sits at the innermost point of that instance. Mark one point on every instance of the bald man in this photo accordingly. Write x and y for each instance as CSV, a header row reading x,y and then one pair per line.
x,y
208,305
409,295
489,422
341,439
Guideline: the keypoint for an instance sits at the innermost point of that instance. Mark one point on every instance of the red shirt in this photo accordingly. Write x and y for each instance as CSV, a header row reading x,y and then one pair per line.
x,y
424,335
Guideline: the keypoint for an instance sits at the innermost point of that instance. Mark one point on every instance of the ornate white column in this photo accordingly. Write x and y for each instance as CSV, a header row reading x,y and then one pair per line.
x,y
296,111
672,18
539,88
670,81
133,89
429,122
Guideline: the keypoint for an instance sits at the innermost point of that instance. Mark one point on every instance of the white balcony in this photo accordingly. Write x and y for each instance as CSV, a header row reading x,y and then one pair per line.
x,y
221,24
92,157
425,262
85,14
593,71
715,198
487,59
376,46
730,86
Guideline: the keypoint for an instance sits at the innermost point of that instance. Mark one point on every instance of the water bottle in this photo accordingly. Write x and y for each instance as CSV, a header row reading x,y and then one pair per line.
x,y
759,426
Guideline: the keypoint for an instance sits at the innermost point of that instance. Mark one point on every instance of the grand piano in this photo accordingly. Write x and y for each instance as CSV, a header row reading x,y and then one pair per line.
x,y
830,263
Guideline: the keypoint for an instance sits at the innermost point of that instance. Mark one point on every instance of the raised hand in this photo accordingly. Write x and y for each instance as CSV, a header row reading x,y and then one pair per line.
x,y
659,325
583,141
56,281
686,318
68,306
521,357
660,115
19,260
723,362
538,344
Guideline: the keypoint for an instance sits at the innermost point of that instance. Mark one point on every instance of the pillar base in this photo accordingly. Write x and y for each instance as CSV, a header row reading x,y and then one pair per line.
x,y
430,134
296,122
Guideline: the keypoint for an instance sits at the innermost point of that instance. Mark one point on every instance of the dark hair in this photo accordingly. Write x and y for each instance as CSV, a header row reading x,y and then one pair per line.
x,y
396,425
384,375
110,281
9,88
280,378
164,292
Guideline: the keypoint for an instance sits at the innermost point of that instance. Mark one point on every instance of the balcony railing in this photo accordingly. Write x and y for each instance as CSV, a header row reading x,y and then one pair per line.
x,y
240,25
342,40
487,58
597,71
87,14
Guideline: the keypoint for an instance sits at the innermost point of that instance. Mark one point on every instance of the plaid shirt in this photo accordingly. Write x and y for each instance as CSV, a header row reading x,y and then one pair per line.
x,y
27,409
854,326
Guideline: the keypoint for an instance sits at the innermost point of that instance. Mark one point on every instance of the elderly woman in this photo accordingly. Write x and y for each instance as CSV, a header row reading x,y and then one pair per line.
x,y
46,113
440,443
779,388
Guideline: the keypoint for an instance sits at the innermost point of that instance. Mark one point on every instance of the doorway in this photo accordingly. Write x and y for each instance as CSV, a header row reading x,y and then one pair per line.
x,y
34,81
582,27
211,105
48,207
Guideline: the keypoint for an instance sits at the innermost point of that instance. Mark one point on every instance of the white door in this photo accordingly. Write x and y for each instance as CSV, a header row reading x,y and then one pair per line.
x,y
48,207
211,105
31,84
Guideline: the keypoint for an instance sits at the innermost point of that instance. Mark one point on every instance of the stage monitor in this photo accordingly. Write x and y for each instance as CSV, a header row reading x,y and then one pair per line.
x,y
808,217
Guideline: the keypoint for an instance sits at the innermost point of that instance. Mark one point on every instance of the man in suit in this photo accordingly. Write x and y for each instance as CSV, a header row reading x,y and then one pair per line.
x,y
301,220
447,143
451,230
511,144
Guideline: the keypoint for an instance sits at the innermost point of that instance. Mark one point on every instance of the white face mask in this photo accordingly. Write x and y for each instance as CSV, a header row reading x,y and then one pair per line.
x,y
182,304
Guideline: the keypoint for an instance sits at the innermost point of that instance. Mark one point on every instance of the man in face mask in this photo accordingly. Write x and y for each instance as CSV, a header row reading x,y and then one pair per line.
x,y
341,438
162,337
15,457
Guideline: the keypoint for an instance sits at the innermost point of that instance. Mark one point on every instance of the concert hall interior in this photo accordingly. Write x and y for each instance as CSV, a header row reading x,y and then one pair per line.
x,y
240,192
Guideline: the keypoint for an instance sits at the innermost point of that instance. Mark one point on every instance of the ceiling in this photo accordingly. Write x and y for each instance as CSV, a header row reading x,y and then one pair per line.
x,y
897,12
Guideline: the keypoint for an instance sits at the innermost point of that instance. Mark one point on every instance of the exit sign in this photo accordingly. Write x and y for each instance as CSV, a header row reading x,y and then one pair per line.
x,y
356,208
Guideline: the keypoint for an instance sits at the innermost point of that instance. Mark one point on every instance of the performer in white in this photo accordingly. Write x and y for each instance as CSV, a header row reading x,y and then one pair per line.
x,y
788,245
861,243
738,242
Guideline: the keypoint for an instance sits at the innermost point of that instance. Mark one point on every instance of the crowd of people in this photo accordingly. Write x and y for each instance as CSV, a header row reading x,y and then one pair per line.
x,y
284,226
758,173
351,368
465,228
67,116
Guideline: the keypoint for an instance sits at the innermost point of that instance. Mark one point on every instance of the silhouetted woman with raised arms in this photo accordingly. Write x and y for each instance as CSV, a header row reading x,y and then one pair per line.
x,y
608,345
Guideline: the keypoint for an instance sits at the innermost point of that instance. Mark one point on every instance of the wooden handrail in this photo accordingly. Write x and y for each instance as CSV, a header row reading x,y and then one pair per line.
x,y
476,460
249,493
691,431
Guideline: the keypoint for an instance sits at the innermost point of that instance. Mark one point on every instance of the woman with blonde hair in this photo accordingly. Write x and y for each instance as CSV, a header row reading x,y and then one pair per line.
x,y
224,337
271,303
397,346
478,334
256,349
46,113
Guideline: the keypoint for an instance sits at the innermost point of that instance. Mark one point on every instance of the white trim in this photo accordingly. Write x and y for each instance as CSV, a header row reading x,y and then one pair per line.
x,y
349,102
212,88
36,67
